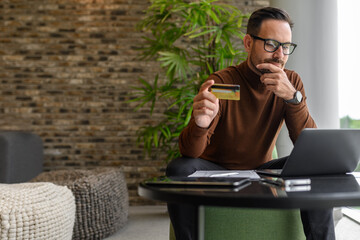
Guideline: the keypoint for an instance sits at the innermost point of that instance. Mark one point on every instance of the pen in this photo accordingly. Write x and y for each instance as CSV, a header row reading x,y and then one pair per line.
x,y
223,174
276,182
287,183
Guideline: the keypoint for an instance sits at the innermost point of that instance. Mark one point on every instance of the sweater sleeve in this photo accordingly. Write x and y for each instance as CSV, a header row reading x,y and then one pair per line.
x,y
193,140
297,117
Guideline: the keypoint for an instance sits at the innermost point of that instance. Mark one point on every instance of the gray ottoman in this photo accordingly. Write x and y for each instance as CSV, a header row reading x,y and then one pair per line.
x,y
101,198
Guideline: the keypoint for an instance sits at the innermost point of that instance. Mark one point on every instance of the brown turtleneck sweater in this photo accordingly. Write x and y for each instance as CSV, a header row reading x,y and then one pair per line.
x,y
243,134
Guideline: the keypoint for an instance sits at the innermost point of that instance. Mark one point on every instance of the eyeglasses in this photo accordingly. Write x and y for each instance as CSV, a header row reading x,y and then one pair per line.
x,y
271,45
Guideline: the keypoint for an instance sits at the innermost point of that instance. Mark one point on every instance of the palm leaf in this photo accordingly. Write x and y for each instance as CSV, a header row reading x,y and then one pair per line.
x,y
190,40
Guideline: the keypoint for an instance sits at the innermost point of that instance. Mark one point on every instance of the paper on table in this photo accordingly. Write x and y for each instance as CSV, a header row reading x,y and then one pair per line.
x,y
227,173
355,174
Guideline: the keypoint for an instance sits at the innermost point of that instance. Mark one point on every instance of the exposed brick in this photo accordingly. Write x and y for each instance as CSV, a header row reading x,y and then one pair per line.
x,y
66,68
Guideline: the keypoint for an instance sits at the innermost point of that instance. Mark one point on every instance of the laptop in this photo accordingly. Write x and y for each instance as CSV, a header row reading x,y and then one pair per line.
x,y
321,152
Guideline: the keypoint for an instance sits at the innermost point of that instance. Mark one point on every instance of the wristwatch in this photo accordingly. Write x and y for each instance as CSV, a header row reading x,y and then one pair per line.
x,y
296,99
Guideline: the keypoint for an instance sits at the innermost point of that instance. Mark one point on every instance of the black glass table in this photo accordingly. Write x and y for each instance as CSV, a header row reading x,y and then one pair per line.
x,y
323,192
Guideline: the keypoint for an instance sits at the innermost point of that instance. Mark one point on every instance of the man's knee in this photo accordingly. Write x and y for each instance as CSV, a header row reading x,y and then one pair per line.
x,y
181,167
184,166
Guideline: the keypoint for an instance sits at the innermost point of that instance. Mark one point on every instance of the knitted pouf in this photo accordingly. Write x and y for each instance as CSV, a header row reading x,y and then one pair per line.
x,y
101,197
36,211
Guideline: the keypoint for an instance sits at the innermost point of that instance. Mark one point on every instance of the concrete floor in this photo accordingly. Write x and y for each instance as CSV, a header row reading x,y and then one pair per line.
x,y
145,223
152,223
347,229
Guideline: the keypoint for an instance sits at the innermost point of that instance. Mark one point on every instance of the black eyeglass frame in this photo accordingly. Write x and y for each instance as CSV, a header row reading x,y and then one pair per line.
x,y
279,44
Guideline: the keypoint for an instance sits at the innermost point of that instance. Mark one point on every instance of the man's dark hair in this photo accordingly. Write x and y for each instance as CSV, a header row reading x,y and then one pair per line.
x,y
262,14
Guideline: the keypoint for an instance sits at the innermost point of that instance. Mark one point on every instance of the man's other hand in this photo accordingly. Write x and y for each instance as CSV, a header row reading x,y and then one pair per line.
x,y
277,81
205,106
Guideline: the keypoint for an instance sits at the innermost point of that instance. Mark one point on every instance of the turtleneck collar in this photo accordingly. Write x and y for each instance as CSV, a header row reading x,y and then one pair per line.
x,y
250,76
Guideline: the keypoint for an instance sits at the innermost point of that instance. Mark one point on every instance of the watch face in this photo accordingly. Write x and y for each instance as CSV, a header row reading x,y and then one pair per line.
x,y
298,96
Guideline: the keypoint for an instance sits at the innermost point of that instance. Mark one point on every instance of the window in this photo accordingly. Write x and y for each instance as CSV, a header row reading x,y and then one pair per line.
x,y
349,63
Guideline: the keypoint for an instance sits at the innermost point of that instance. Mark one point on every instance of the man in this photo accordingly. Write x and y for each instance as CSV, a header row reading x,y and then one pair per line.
x,y
225,134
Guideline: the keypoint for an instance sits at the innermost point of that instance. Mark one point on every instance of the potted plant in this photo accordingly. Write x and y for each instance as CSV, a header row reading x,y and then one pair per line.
x,y
191,40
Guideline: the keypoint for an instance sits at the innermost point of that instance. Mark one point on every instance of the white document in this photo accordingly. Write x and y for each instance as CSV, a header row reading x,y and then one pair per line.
x,y
227,174
355,174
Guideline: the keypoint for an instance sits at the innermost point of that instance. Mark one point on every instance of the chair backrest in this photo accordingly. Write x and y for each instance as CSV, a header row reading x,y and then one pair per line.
x,y
250,224
21,156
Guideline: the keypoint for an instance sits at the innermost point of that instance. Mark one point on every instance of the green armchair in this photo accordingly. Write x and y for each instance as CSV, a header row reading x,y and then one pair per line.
x,y
254,224
251,223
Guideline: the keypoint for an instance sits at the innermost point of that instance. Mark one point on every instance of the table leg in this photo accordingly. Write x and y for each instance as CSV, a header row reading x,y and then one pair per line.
x,y
201,223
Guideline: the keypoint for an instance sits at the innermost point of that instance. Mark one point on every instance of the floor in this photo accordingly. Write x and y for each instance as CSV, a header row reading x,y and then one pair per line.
x,y
145,223
152,223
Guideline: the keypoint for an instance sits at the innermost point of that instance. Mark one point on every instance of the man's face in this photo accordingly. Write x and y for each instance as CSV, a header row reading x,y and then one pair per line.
x,y
270,29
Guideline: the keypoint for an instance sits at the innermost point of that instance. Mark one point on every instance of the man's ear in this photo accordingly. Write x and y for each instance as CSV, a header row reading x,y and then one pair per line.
x,y
247,42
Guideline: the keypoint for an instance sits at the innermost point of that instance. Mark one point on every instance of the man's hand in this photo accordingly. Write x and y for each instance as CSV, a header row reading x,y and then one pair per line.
x,y
277,81
205,106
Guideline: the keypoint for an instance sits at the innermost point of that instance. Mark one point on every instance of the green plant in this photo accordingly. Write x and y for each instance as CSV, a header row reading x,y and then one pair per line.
x,y
191,40
348,122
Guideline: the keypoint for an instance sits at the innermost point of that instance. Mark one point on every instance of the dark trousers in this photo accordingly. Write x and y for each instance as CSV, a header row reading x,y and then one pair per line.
x,y
317,224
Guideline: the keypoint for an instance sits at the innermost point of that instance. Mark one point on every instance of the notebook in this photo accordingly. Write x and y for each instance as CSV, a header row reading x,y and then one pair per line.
x,y
197,182
320,152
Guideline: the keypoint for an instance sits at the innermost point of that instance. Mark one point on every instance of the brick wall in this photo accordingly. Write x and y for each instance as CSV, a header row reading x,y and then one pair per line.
x,y
65,71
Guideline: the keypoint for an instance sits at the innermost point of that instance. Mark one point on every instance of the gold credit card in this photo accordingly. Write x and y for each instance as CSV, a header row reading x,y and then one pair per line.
x,y
226,91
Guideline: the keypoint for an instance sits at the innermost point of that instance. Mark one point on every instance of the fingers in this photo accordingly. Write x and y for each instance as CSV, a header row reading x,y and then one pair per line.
x,y
206,85
204,92
205,104
204,112
269,67
278,83
270,82
270,78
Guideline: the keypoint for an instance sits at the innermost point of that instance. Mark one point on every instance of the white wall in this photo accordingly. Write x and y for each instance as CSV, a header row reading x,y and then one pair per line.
x,y
315,59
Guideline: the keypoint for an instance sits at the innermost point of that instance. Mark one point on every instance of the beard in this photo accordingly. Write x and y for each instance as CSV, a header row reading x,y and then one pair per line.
x,y
266,60
275,60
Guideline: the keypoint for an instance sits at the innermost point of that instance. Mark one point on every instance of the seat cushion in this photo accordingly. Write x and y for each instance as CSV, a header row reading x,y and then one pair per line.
x,y
250,224
231,223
